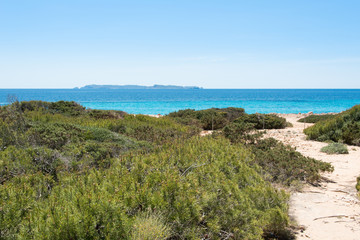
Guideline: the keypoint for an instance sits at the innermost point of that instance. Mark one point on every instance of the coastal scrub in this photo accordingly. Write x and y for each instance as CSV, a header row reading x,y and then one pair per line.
x,y
335,148
67,172
343,127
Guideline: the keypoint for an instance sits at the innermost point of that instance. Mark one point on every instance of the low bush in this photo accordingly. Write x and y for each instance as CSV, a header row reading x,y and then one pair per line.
x,y
343,127
335,148
201,188
239,132
209,119
283,164
279,163
263,121
316,118
80,141
16,162
358,184
70,173
150,226
106,114
64,107
70,108
218,118
54,135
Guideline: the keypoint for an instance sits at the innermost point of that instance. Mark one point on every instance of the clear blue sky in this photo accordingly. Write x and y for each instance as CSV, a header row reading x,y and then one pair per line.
x,y
213,44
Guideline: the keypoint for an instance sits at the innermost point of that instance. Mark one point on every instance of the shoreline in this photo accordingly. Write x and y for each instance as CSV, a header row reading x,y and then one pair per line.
x,y
284,101
278,114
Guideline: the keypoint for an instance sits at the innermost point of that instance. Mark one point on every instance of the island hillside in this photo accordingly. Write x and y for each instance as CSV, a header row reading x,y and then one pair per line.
x,y
94,87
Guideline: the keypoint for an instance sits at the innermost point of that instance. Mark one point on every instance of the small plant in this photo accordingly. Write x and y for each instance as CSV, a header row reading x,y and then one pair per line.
x,y
335,148
150,226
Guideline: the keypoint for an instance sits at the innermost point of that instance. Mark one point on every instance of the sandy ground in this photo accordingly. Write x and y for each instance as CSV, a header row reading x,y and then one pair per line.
x,y
330,211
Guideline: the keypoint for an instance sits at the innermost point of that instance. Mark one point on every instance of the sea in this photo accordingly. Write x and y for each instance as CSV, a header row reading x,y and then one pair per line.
x,y
164,101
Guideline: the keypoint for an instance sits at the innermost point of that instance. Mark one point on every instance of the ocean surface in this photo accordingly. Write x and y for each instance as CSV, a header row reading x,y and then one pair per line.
x,y
165,101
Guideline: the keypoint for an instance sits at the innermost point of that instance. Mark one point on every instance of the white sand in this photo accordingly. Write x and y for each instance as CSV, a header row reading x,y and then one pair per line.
x,y
330,211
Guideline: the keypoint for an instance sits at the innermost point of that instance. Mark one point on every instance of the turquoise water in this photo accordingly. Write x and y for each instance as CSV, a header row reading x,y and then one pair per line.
x,y
165,101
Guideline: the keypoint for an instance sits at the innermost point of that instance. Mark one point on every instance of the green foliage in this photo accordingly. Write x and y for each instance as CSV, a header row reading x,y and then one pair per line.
x,y
15,161
18,198
279,163
54,135
343,127
150,226
82,139
215,118
358,184
263,121
209,119
107,114
201,187
63,107
282,164
71,108
71,173
316,118
239,132
335,148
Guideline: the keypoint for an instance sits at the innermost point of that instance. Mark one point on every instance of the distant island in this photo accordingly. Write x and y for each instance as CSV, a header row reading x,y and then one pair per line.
x,y
94,86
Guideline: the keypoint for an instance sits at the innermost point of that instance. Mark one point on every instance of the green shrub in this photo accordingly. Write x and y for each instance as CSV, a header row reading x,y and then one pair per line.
x,y
18,198
14,162
150,226
34,106
209,119
71,173
106,114
9,136
335,148
55,135
343,127
279,163
217,118
263,121
238,132
316,118
70,108
202,187
282,164
12,125
63,107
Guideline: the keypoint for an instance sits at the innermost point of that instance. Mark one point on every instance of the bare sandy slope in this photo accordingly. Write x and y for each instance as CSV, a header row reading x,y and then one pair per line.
x,y
332,210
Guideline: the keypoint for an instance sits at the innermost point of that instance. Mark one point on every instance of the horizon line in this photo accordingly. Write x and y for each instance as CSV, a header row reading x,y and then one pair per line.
x,y
200,88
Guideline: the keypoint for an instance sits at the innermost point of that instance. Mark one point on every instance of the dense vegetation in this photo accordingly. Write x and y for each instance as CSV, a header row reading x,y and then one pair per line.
x,y
335,148
316,118
218,118
67,172
209,119
280,163
263,121
343,127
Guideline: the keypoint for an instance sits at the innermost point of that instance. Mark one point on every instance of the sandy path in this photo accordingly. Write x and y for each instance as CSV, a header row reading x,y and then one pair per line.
x,y
332,210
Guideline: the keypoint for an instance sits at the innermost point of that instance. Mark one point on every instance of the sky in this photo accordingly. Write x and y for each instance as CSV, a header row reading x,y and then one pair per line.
x,y
207,43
